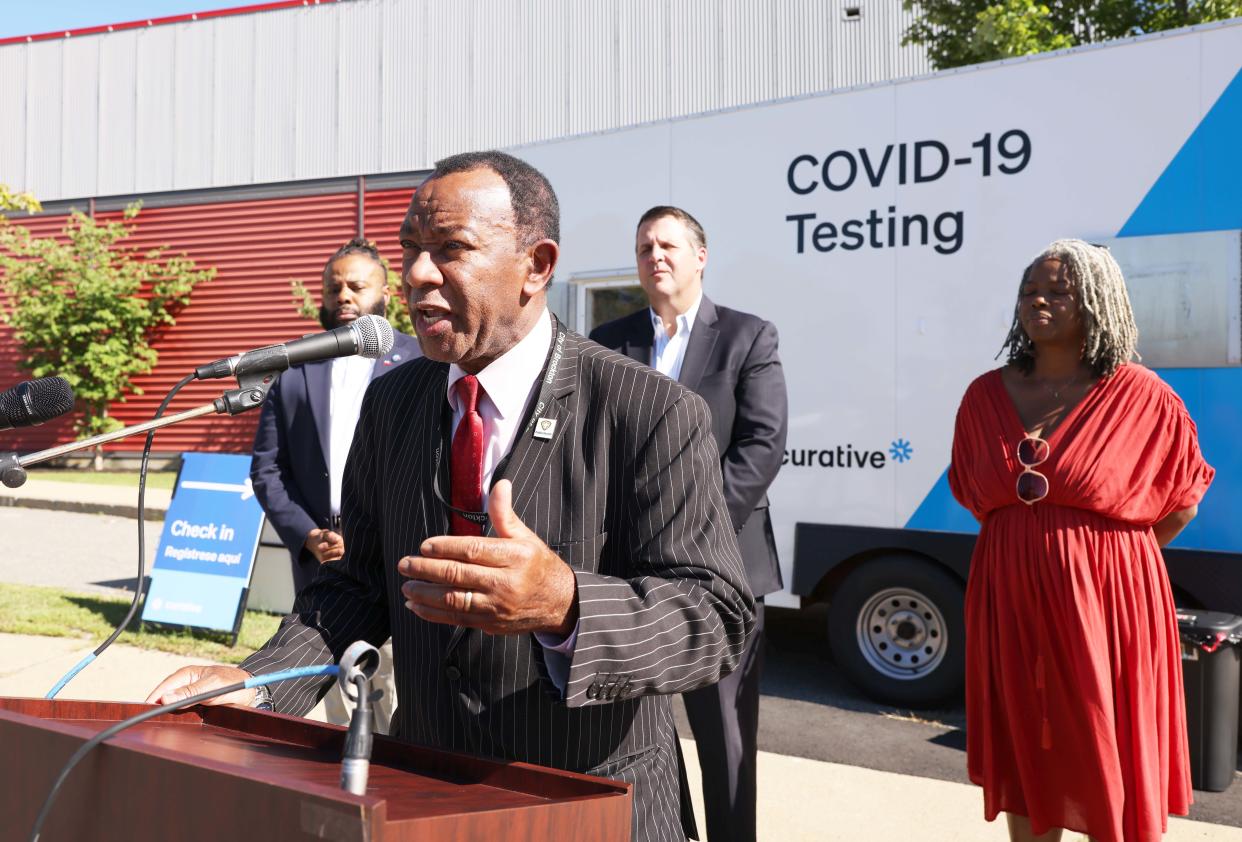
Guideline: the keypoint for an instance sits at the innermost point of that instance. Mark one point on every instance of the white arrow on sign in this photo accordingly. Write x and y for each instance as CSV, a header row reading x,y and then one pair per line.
x,y
246,490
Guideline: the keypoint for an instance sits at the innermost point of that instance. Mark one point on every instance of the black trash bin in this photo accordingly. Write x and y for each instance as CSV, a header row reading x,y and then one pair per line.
x,y
1211,665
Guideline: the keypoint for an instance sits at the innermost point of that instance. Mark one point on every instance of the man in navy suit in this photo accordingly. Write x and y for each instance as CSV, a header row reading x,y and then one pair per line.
x,y
730,359
307,426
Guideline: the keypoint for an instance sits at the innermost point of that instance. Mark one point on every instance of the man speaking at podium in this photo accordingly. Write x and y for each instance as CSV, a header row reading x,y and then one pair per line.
x,y
537,522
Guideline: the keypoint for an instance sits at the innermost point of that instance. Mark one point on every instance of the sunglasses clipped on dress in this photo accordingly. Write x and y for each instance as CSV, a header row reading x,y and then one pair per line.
x,y
1032,485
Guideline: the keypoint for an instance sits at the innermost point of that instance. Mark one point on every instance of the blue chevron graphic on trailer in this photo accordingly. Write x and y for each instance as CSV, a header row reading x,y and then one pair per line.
x,y
1200,190
940,512
1213,397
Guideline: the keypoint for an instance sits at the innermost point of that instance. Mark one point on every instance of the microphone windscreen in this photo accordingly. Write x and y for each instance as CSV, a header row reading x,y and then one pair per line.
x,y
373,335
35,401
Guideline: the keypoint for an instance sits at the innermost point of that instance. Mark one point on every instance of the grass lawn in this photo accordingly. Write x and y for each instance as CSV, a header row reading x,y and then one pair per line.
x,y
162,479
26,609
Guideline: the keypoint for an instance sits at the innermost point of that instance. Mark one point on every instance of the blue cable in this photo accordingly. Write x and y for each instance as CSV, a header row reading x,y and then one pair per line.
x,y
253,681
82,664
142,546
296,672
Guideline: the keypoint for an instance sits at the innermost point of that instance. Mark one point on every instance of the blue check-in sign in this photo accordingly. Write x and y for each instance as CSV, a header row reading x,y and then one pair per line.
x,y
206,554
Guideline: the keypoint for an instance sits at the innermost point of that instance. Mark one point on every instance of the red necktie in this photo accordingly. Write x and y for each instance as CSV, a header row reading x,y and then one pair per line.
x,y
466,466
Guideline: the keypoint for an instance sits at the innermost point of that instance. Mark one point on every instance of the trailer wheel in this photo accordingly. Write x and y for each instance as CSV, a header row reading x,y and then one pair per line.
x,y
896,628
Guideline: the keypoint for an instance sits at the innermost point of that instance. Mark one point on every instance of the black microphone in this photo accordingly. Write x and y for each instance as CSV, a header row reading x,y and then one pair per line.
x,y
368,336
35,401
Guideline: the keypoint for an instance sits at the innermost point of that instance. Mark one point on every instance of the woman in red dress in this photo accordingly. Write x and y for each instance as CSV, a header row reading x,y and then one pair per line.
x,y
1080,465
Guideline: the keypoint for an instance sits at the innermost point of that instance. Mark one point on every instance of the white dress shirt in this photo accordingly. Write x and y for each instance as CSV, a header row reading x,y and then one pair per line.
x,y
669,352
350,377
509,384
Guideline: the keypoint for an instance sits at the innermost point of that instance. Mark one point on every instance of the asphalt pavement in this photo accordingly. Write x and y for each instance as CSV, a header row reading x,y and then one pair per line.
x,y
809,709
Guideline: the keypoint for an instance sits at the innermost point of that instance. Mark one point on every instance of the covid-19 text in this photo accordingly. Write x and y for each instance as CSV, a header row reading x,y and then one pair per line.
x,y
911,163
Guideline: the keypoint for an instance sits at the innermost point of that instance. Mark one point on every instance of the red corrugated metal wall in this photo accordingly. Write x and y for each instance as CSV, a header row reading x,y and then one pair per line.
x,y
257,248
382,215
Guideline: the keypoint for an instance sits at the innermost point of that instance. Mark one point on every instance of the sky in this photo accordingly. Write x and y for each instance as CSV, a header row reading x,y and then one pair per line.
x,y
34,17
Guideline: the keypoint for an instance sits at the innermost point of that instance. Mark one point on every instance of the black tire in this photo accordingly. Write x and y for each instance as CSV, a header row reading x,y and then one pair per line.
x,y
912,650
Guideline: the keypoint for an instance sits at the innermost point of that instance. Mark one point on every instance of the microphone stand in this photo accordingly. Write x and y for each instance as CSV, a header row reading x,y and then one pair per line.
x,y
358,665
356,756
252,391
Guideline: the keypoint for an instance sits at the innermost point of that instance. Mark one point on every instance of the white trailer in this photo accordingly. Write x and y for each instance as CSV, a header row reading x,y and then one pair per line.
x,y
883,230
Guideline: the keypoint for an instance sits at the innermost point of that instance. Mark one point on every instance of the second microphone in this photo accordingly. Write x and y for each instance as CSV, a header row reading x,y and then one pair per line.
x,y
369,336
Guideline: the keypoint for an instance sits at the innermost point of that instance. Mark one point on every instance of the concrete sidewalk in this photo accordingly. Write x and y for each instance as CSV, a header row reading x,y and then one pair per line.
x,y
799,799
87,497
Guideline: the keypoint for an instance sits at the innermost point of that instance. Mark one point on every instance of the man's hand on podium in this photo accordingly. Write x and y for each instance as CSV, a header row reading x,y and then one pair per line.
x,y
190,681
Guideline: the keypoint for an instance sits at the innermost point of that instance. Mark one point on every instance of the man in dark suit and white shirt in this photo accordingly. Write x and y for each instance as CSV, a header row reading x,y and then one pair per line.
x,y
730,359
307,424
305,430
602,575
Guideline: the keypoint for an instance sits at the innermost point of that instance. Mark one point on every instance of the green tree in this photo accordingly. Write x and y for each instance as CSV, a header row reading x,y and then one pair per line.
x,y
398,314
958,32
17,201
88,307
1016,28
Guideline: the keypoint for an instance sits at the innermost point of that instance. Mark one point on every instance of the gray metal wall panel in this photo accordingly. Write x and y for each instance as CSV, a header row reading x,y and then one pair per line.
x,y
79,152
444,50
592,79
850,38
275,87
495,100
748,49
43,115
643,61
879,55
911,60
869,49
193,105
359,49
695,62
402,123
117,91
13,107
545,70
233,122
802,61
314,152
373,86
153,108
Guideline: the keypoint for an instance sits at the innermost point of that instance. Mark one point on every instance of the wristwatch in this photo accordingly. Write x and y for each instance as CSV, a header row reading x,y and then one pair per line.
x,y
262,698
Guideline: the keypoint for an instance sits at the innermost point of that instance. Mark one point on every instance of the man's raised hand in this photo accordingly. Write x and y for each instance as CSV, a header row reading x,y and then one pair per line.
x,y
508,584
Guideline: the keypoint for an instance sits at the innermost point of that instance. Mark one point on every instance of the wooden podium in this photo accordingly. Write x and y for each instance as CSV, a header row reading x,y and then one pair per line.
x,y
229,773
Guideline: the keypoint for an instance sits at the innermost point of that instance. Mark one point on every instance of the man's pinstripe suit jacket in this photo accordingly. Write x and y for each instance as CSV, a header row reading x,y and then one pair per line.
x,y
628,492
